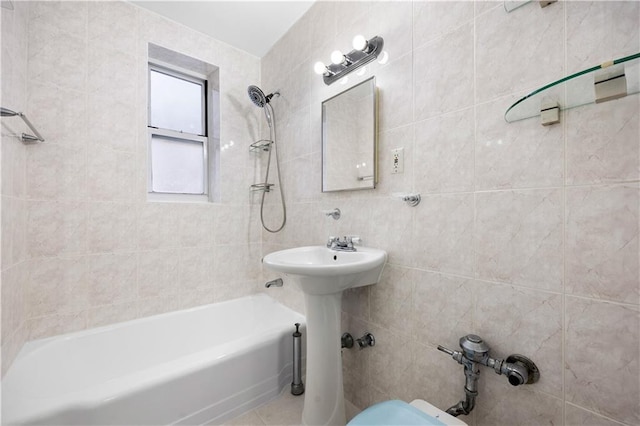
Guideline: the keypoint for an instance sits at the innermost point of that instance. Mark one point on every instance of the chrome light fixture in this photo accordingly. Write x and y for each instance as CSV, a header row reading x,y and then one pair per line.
x,y
364,51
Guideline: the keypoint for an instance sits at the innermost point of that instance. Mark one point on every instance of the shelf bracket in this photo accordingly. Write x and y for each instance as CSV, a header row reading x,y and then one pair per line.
x,y
549,112
610,85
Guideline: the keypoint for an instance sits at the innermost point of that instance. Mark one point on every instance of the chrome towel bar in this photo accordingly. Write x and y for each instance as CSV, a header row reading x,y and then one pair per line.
x,y
26,138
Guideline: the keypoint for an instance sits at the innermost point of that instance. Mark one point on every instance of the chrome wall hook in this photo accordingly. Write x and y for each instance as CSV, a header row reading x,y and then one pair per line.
x,y
411,199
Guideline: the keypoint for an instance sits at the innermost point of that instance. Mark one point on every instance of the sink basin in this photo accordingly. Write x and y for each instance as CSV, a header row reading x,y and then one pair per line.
x,y
320,270
322,274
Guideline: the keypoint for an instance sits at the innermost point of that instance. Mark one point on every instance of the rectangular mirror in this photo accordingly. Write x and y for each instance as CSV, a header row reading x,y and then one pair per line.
x,y
349,139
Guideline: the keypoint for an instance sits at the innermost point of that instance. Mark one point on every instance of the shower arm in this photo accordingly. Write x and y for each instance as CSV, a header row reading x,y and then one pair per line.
x,y
26,138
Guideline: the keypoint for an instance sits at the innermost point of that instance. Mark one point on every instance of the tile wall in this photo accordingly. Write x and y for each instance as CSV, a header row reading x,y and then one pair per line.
x,y
526,235
13,162
81,246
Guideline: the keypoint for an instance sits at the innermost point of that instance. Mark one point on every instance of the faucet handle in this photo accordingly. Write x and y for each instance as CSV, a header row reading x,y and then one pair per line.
x,y
445,350
355,239
332,240
456,355
335,213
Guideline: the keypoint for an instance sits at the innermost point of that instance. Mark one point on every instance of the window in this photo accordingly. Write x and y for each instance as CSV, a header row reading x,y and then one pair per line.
x,y
177,165
178,143
177,101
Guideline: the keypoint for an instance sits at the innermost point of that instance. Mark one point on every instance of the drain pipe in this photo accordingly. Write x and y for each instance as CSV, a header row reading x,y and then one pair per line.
x,y
471,391
471,373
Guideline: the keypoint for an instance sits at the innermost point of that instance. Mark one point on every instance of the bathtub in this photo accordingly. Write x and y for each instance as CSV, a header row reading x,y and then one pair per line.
x,y
201,365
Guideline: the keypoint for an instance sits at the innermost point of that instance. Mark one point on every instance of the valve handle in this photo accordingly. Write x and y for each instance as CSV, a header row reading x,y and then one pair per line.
x,y
445,350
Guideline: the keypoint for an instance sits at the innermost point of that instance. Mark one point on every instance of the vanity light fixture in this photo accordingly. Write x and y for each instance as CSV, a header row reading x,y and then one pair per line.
x,y
364,51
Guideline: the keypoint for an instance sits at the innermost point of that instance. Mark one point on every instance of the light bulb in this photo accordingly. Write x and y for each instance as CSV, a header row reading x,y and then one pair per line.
x,y
359,42
384,58
337,57
319,68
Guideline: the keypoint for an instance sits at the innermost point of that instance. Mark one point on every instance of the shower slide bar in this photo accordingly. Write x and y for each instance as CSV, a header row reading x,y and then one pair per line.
x,y
26,138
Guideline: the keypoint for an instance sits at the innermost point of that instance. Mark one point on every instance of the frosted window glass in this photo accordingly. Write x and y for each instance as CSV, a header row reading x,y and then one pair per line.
x,y
176,104
177,166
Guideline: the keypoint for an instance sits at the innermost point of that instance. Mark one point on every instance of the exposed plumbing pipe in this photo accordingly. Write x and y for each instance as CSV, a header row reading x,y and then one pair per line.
x,y
519,369
470,389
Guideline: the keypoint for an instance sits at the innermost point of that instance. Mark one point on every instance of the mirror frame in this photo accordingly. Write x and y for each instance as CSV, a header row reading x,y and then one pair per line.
x,y
374,183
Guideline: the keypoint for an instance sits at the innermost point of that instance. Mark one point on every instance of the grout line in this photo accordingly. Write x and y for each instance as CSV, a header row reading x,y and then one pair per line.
x,y
593,412
517,286
563,347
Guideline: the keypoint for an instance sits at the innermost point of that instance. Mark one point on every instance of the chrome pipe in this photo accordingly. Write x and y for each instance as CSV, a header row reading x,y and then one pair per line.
x,y
519,369
471,373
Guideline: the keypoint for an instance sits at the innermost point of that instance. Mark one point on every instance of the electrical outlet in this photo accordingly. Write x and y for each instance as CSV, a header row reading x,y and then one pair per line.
x,y
397,156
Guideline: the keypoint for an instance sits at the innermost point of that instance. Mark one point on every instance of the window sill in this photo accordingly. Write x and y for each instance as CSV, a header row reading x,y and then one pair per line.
x,y
177,198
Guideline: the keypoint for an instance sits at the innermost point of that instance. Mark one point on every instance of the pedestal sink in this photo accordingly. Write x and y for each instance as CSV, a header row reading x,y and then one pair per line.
x,y
323,274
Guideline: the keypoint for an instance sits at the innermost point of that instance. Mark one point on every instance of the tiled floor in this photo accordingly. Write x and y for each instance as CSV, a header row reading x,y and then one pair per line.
x,y
285,410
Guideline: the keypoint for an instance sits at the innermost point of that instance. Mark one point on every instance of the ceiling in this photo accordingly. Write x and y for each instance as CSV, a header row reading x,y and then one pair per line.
x,y
253,26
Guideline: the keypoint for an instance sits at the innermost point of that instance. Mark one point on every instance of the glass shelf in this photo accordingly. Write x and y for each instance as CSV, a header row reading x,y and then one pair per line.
x,y
510,6
577,90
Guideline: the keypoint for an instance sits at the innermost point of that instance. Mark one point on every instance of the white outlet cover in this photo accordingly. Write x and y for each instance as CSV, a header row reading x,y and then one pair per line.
x,y
397,160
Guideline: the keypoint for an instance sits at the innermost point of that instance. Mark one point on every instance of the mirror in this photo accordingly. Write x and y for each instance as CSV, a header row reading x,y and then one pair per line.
x,y
349,139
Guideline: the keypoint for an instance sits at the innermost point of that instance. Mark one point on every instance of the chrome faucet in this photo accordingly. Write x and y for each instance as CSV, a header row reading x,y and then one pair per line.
x,y
335,243
275,283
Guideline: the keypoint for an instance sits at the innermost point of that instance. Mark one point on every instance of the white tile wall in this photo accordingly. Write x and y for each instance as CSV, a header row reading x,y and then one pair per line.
x,y
519,237
601,373
602,242
13,209
81,246
444,162
526,235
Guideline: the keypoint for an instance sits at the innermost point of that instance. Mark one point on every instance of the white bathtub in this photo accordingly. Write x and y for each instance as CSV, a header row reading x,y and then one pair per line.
x,y
200,365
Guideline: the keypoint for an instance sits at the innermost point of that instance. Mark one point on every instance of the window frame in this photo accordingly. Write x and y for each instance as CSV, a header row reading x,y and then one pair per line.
x,y
202,81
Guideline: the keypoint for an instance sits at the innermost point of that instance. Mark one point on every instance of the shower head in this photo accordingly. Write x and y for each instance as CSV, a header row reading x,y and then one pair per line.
x,y
258,97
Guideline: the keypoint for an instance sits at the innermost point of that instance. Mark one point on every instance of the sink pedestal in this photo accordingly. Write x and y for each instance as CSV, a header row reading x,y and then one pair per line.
x,y
324,395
